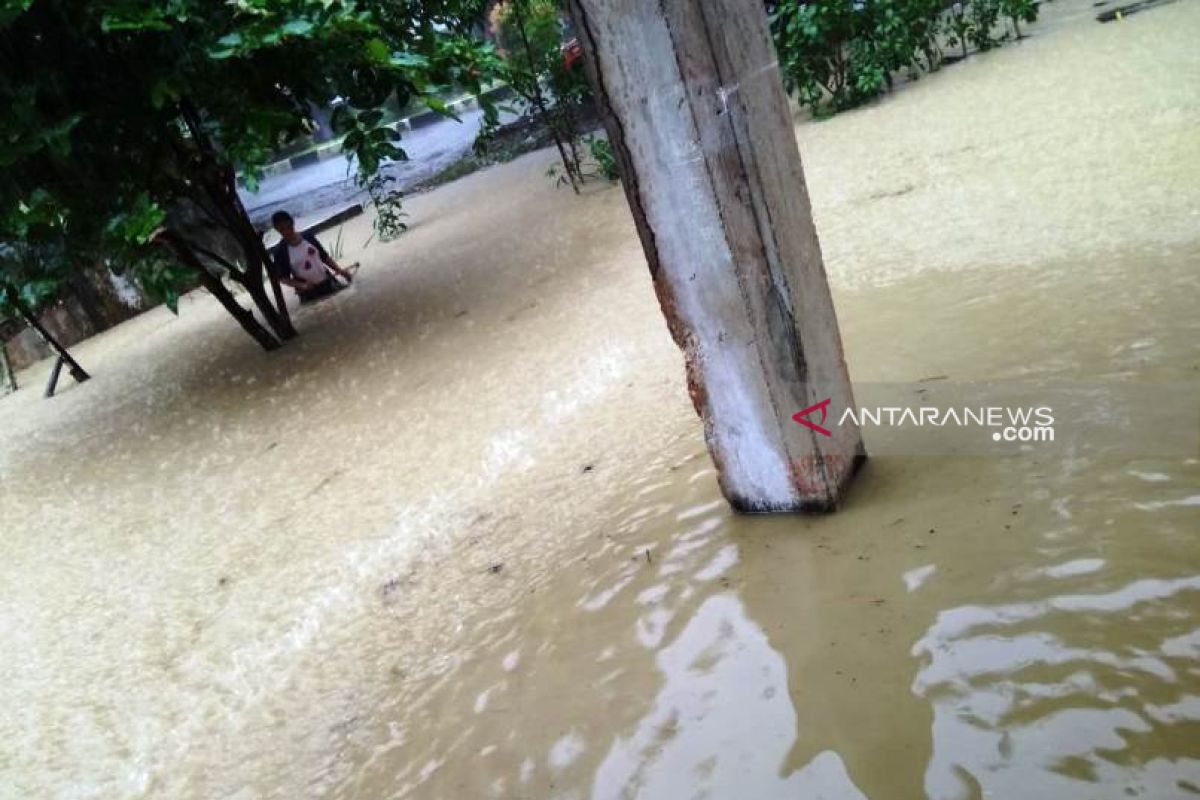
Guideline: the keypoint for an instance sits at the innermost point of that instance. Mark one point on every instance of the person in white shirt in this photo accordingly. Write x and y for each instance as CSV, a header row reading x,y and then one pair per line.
x,y
301,262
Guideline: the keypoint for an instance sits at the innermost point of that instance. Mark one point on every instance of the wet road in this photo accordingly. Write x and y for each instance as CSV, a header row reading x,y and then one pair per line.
x,y
331,182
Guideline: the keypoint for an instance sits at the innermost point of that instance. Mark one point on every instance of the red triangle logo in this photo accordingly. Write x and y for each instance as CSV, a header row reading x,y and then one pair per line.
x,y
823,407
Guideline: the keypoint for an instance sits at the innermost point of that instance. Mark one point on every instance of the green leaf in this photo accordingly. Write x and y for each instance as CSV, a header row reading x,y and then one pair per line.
x,y
368,162
11,9
226,46
139,223
36,292
409,61
377,50
149,21
297,27
342,119
439,105
162,92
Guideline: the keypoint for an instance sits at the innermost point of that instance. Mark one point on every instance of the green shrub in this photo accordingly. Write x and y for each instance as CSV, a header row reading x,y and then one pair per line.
x,y
602,154
984,14
837,54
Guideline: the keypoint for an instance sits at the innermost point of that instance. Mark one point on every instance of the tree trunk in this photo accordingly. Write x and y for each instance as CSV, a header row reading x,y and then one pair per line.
x,y
699,122
571,127
14,298
251,278
540,104
213,284
258,271
934,61
89,301
8,378
244,317
286,330
220,184
539,101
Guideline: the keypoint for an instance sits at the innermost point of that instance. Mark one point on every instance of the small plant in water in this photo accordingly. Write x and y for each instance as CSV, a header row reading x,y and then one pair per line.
x,y
602,153
602,165
389,206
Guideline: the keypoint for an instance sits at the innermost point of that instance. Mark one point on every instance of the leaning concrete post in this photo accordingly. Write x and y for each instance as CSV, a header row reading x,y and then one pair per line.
x,y
700,125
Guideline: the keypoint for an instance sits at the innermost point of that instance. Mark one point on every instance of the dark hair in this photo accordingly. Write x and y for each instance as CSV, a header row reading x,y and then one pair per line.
x,y
281,218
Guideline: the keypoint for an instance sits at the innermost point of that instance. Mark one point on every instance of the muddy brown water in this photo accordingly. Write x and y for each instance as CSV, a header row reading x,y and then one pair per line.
x,y
462,539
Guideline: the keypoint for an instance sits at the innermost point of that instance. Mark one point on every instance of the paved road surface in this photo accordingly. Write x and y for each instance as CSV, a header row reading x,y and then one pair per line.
x,y
330,183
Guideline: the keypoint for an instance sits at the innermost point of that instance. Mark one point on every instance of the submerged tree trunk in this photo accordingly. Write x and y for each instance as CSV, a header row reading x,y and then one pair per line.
x,y
89,300
933,61
730,240
257,267
571,122
244,317
286,329
187,256
14,299
8,378
219,184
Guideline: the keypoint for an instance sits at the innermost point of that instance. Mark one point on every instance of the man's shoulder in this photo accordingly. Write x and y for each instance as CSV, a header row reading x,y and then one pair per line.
x,y
312,239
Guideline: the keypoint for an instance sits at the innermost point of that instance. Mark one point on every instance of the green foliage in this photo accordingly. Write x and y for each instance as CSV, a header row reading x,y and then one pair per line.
x,y
11,9
530,34
602,154
128,236
984,14
119,112
161,278
389,211
138,224
33,262
846,49
1019,11
603,163
837,54
957,26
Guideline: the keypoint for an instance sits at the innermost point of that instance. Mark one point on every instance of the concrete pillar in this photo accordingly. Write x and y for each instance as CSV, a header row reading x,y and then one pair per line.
x,y
700,125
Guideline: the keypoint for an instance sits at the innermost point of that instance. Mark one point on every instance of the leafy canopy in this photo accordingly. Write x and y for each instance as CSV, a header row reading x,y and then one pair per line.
x,y
117,111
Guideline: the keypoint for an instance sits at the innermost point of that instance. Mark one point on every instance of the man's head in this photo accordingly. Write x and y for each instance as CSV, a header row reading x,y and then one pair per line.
x,y
282,221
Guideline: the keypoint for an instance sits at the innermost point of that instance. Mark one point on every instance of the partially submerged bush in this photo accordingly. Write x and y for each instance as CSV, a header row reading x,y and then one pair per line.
x,y
836,54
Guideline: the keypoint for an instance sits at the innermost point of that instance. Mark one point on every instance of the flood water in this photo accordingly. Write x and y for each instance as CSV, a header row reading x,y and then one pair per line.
x,y
462,539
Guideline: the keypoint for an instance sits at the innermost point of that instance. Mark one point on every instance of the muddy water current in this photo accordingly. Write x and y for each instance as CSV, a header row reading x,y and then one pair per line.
x,y
462,539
